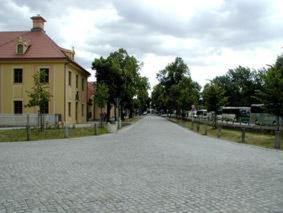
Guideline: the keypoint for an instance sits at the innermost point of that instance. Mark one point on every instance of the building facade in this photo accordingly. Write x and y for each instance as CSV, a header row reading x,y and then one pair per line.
x,y
24,53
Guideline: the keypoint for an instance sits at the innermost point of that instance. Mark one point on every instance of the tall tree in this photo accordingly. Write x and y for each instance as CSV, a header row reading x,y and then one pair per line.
x,y
214,98
178,90
142,94
100,97
239,85
120,72
271,94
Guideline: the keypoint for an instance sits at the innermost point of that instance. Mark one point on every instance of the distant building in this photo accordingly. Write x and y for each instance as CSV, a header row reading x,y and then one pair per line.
x,y
23,53
93,110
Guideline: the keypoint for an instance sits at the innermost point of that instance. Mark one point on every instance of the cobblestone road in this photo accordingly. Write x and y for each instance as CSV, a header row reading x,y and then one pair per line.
x,y
151,166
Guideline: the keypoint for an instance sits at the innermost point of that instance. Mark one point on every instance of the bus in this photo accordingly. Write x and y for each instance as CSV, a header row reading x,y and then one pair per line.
x,y
260,117
236,114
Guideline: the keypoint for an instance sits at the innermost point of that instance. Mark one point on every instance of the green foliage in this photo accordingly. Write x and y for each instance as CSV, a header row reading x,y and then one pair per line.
x,y
213,96
120,73
176,90
101,94
271,94
39,95
142,101
239,86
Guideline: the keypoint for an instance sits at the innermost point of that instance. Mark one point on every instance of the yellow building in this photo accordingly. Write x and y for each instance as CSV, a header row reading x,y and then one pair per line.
x,y
26,52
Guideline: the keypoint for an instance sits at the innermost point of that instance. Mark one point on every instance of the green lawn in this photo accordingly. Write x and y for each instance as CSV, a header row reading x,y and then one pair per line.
x,y
258,139
21,134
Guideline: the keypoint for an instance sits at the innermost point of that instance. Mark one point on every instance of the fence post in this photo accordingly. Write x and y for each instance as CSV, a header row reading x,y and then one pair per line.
x,y
218,131
66,131
277,140
28,128
243,135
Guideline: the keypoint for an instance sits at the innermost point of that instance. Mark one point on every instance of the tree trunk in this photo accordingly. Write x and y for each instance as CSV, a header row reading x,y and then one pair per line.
x,y
108,111
101,117
278,122
115,112
131,113
122,112
277,134
214,124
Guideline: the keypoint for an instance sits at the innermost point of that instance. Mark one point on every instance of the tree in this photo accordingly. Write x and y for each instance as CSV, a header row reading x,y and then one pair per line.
x,y
159,98
39,96
142,100
100,97
176,90
271,93
214,98
239,85
272,90
120,72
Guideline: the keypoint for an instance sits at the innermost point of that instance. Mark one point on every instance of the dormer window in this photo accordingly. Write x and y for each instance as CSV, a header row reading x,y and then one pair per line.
x,y
22,46
20,49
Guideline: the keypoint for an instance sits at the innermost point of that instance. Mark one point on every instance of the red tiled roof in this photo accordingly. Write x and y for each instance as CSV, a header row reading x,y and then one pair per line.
x,y
41,46
90,90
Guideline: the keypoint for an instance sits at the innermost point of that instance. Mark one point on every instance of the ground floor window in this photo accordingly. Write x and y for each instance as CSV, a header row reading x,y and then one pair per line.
x,y
18,107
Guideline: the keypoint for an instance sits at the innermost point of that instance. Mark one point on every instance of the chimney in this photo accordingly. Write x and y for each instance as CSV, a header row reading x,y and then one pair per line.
x,y
38,23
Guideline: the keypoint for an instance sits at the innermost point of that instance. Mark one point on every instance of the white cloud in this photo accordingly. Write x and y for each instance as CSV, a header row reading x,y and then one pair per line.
x,y
210,35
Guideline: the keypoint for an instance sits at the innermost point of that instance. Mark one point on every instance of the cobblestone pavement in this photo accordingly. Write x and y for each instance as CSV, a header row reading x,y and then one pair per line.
x,y
151,166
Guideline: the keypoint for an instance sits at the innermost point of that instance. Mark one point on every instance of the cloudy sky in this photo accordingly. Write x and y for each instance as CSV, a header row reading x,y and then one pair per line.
x,y
210,35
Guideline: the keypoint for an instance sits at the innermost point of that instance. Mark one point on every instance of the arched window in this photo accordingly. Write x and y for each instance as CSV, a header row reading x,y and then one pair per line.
x,y
20,49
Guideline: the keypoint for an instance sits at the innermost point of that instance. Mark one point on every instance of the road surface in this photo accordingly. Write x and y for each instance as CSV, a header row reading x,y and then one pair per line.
x,y
151,166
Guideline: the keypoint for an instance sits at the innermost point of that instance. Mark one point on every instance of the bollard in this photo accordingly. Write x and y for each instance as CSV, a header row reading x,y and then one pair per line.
x,y
277,140
66,131
28,129
218,131
243,135
95,129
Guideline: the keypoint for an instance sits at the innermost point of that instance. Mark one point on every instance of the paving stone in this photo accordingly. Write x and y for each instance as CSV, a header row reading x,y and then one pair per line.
x,y
151,166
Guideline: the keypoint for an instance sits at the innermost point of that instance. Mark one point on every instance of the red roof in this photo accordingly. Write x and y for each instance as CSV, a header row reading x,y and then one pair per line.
x,y
41,46
90,90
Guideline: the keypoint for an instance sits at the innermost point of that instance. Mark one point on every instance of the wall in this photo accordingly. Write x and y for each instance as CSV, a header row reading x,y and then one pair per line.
x,y
10,91
79,115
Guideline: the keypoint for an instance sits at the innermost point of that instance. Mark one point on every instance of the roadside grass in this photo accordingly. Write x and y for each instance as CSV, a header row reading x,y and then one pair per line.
x,y
254,138
36,134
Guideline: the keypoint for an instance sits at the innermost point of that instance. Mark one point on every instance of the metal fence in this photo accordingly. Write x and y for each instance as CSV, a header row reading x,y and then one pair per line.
x,y
21,120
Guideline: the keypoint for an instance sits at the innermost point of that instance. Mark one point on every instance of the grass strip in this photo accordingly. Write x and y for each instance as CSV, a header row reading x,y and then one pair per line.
x,y
253,138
